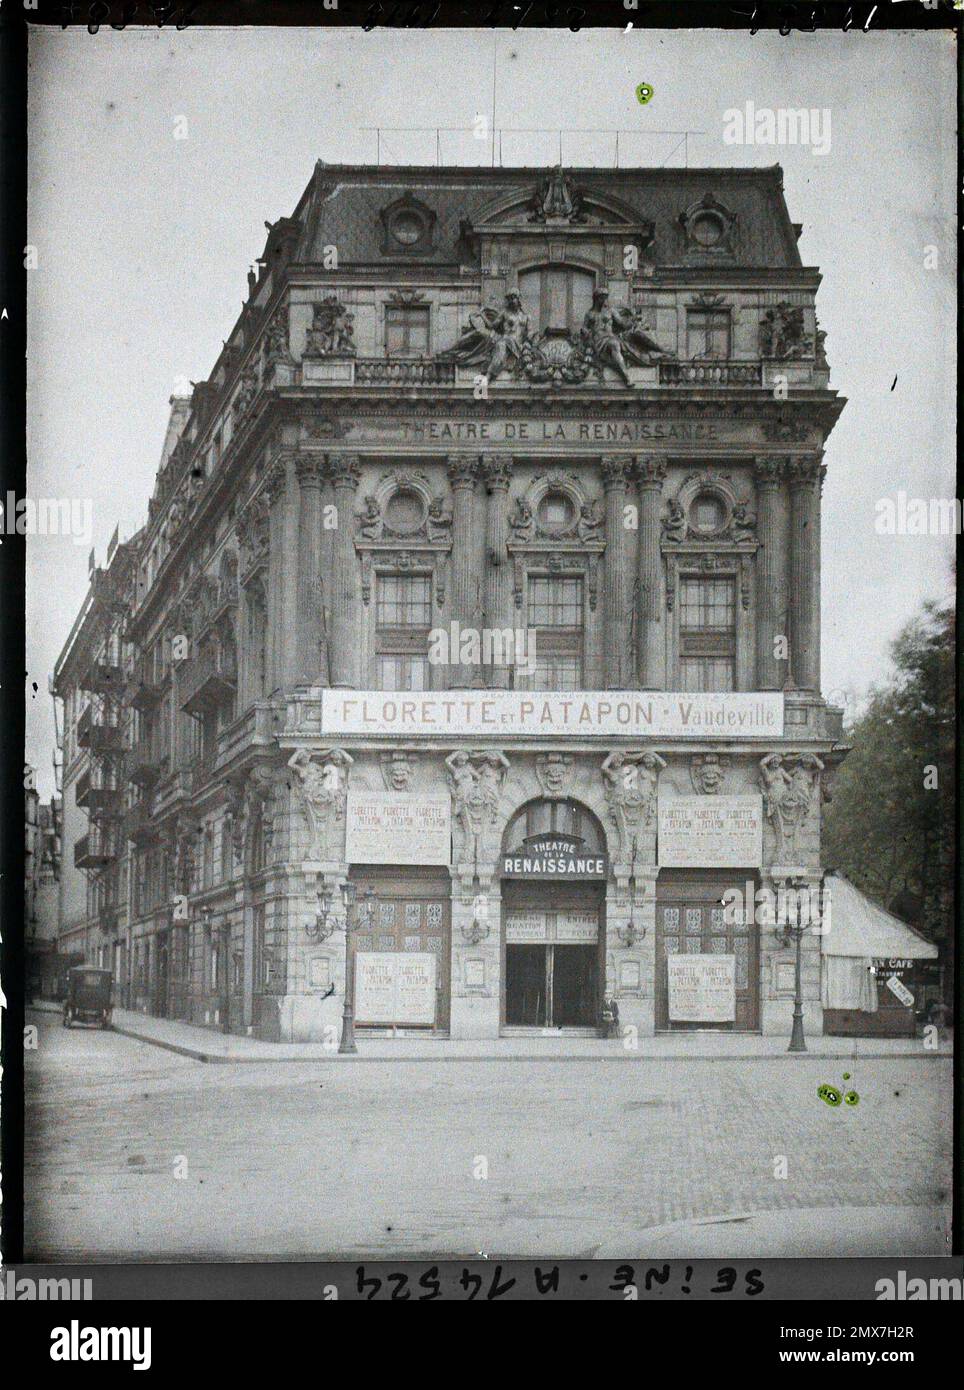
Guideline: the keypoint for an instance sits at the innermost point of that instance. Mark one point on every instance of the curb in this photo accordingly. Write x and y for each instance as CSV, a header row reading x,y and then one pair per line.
x,y
199,1055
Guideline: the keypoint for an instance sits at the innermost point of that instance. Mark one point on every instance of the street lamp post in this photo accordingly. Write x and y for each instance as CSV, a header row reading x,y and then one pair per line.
x,y
793,931
349,893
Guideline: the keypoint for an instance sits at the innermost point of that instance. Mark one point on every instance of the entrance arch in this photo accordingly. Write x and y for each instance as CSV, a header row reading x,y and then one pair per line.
x,y
554,868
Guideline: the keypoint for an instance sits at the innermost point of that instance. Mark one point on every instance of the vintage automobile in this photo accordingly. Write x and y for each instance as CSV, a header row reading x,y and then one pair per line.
x,y
89,996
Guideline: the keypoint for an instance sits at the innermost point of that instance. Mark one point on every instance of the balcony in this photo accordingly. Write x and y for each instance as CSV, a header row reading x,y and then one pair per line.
x,y
94,731
208,682
710,373
138,825
94,851
147,684
98,800
146,765
382,371
103,677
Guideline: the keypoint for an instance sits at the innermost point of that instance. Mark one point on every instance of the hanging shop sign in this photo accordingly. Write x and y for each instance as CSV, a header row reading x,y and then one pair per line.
x,y
702,989
554,856
395,987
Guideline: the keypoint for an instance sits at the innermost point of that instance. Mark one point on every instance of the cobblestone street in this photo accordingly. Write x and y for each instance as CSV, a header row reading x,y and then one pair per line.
x,y
582,1158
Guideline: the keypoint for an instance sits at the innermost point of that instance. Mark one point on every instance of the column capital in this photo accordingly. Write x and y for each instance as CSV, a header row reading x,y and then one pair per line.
x,y
344,470
648,470
804,469
310,469
496,471
614,469
768,470
462,470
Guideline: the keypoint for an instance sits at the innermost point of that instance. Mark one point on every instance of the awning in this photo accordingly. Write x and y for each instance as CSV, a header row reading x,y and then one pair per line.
x,y
858,927
859,932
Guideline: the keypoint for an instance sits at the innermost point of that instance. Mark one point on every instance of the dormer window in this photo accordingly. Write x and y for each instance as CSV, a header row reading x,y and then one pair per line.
x,y
408,227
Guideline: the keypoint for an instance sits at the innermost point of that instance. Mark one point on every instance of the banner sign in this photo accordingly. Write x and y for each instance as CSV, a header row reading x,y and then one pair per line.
x,y
564,714
397,828
552,855
702,989
395,987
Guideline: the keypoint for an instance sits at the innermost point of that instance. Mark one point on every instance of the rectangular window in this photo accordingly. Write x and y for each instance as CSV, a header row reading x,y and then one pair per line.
x,y
403,617
402,672
555,614
406,331
403,601
708,333
707,634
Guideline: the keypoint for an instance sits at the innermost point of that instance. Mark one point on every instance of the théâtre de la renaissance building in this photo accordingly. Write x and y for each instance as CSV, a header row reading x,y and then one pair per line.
x,y
481,574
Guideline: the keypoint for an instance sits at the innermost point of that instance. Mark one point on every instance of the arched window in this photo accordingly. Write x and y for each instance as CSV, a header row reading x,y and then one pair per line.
x,y
559,816
556,298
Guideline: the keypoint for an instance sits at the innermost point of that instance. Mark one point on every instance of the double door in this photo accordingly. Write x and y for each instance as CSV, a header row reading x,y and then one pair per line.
x,y
691,920
552,972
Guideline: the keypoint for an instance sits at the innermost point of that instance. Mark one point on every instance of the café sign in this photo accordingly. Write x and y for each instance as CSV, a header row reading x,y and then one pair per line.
x,y
554,856
563,714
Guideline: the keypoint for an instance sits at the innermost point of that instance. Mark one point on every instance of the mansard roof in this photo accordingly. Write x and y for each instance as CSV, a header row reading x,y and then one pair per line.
x,y
342,205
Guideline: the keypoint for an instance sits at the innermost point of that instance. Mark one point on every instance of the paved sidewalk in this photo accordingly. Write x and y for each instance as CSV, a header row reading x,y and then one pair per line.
x,y
206,1045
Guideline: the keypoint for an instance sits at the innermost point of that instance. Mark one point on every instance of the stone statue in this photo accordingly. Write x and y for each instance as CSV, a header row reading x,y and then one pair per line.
x,y
332,330
476,780
782,333
494,339
323,788
589,524
370,522
631,785
674,522
522,522
788,797
743,526
439,520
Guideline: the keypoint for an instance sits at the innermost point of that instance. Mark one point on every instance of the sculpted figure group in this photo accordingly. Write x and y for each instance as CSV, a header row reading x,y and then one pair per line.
x,y
500,339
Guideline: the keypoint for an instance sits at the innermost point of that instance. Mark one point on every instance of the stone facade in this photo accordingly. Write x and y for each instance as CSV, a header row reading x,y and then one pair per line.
x,y
600,395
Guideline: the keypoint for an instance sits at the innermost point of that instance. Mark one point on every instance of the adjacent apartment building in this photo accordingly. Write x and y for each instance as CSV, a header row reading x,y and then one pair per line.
x,y
483,574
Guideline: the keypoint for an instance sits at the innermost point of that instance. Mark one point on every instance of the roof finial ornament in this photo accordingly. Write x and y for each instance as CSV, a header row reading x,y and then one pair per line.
x,y
556,200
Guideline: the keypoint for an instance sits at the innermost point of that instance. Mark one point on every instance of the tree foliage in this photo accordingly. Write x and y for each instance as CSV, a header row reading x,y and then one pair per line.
x,y
890,823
